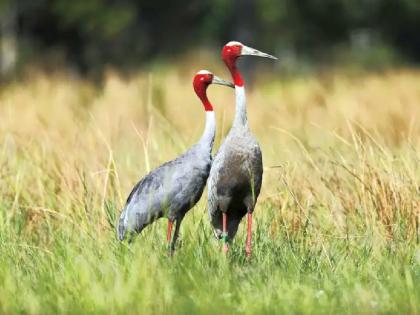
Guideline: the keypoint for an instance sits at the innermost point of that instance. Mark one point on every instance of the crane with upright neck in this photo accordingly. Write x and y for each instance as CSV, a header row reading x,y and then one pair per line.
x,y
236,175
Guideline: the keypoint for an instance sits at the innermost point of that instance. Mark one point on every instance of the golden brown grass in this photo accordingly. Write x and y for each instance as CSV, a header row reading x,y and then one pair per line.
x,y
341,194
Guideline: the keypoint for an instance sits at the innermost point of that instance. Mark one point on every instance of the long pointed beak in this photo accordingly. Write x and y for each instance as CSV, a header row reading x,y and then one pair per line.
x,y
248,51
217,80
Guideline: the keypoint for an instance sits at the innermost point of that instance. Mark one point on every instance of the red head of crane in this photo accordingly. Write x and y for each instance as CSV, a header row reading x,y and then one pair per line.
x,y
232,51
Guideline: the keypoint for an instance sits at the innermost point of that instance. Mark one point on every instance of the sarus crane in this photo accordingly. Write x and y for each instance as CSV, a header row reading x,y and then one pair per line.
x,y
236,174
176,186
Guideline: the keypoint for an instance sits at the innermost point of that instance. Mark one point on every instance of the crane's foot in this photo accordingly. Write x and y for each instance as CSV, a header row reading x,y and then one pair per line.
x,y
171,249
171,252
225,248
225,243
248,252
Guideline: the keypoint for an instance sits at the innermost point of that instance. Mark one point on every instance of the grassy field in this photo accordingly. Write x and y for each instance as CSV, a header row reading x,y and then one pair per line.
x,y
336,226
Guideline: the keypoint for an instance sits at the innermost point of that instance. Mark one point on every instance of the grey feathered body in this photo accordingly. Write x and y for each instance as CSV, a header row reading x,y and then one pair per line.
x,y
171,189
235,177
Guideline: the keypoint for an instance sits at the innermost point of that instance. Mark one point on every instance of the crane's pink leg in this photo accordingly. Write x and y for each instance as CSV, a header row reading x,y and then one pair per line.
x,y
169,235
249,236
224,235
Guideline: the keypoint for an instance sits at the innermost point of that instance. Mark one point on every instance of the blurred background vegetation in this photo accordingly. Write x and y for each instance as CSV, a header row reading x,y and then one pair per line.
x,y
96,93
87,37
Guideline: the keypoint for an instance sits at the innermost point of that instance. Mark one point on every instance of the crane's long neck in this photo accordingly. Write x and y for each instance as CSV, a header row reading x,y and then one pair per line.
x,y
209,132
207,139
241,119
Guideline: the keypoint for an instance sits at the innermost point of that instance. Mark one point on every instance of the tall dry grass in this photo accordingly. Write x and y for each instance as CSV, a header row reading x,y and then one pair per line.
x,y
340,201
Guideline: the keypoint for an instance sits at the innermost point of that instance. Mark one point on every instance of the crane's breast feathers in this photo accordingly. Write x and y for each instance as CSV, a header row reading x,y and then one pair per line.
x,y
236,168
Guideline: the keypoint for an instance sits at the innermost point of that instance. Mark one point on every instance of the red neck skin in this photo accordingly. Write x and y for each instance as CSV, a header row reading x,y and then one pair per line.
x,y
206,103
236,75
230,62
201,91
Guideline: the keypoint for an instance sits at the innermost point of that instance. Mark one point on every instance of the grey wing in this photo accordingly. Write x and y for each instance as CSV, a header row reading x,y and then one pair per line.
x,y
189,188
171,190
148,199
